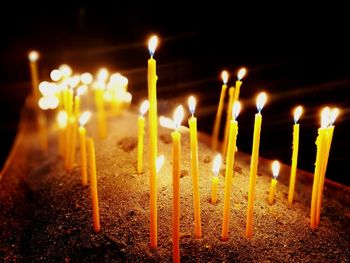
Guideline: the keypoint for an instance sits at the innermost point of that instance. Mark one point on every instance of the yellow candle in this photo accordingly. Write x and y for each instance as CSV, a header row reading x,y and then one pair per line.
x,y
231,93
33,58
62,124
152,124
215,180
73,142
82,135
76,106
275,172
261,99
321,144
93,182
217,122
141,130
192,122
230,160
176,136
240,75
297,113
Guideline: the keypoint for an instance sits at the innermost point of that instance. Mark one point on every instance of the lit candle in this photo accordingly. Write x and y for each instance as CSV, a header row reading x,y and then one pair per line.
x,y
224,76
80,91
62,124
241,73
99,91
297,113
152,123
230,159
329,136
321,146
215,180
33,58
231,93
275,172
192,122
260,102
73,142
141,130
82,135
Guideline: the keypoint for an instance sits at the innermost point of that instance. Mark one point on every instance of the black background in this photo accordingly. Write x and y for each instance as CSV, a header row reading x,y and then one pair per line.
x,y
298,54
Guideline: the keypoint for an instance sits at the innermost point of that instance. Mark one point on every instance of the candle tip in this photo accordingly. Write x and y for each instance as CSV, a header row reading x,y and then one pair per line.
x,y
178,116
260,101
217,164
62,118
33,56
325,120
241,73
144,107
224,76
192,104
55,75
86,78
152,44
334,114
82,89
297,113
66,70
84,117
236,109
275,168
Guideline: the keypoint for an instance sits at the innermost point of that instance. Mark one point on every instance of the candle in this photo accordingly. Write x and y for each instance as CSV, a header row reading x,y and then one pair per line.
x,y
80,91
93,182
99,91
241,73
62,124
231,93
297,113
73,142
321,146
230,159
176,136
260,102
275,172
152,123
224,76
82,135
215,180
33,58
141,130
329,136
192,122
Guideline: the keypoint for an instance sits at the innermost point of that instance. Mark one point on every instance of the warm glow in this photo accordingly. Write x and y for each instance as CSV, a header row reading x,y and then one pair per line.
x,y
166,122
82,89
50,102
102,75
65,70
178,116
84,117
334,115
275,169
260,101
236,108
55,75
297,113
192,104
224,76
152,44
217,164
47,88
86,78
126,97
144,107
62,118
325,114
74,81
241,73
119,79
33,56
160,162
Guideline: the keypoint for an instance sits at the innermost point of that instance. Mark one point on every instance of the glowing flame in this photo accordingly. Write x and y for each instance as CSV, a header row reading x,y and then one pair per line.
x,y
144,107
62,119
334,114
192,104
152,44
297,113
236,108
86,78
126,97
275,168
55,75
224,76
47,88
33,56
325,114
102,75
50,102
241,73
82,89
260,101
65,70
74,81
119,79
160,162
217,164
178,115
166,122
84,118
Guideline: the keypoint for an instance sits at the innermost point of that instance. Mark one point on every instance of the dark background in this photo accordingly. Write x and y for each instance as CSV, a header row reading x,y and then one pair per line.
x,y
297,54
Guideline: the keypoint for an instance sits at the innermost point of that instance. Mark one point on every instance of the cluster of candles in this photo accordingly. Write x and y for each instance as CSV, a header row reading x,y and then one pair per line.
x,y
59,94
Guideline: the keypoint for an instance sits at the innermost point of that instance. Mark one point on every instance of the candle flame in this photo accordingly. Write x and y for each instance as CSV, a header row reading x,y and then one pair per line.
x,y
84,117
217,164
65,70
152,44
119,79
261,100
55,75
47,88
224,76
102,75
74,81
241,73
275,168
334,114
62,119
166,122
82,89
236,108
33,56
192,104
48,102
160,162
86,78
178,116
297,113
126,97
325,114
144,107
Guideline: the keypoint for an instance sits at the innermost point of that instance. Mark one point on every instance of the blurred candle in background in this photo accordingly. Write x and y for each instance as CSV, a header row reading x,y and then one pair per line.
x,y
215,180
275,172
